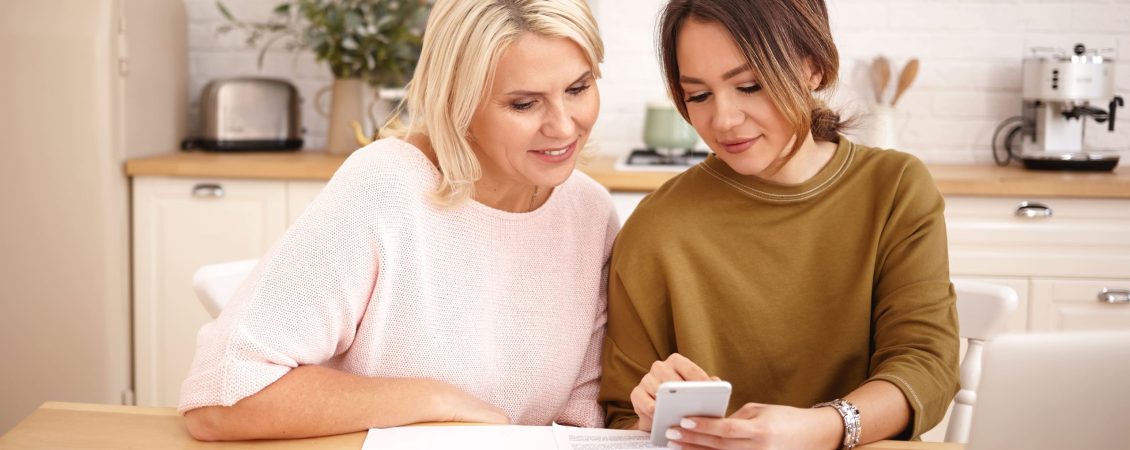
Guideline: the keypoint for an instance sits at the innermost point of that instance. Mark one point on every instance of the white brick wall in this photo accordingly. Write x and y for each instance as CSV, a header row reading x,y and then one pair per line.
x,y
970,53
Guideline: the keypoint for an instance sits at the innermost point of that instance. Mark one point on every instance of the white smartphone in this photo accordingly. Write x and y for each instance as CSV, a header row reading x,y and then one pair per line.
x,y
678,399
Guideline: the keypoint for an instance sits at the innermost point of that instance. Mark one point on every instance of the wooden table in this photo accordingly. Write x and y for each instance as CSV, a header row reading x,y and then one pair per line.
x,y
60,426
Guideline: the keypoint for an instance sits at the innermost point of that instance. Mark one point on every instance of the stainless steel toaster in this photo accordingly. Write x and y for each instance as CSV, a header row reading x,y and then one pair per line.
x,y
248,114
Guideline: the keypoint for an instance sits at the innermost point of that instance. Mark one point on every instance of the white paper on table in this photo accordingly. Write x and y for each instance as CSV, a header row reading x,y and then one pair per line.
x,y
492,437
503,437
573,438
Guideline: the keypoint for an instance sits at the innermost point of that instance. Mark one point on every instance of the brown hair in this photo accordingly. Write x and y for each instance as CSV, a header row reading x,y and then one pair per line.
x,y
776,37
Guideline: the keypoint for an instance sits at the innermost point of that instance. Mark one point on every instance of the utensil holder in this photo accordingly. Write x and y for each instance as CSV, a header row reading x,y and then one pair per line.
x,y
883,132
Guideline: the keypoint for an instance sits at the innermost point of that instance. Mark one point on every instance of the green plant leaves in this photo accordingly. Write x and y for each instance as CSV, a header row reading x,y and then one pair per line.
x,y
377,40
224,10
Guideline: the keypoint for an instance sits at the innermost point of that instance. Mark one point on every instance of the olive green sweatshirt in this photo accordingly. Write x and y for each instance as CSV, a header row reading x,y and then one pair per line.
x,y
795,294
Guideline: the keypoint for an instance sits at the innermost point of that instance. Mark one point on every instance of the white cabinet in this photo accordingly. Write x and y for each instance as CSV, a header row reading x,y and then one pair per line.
x,y
1064,237
179,225
1058,253
1080,304
625,203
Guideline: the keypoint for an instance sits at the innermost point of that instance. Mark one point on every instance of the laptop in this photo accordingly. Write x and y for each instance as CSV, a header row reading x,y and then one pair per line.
x,y
1054,392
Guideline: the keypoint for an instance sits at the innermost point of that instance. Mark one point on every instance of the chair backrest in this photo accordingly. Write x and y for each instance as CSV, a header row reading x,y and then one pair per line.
x,y
982,312
216,283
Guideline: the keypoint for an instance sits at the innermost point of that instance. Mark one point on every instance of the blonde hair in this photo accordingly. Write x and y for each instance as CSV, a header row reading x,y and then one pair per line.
x,y
463,42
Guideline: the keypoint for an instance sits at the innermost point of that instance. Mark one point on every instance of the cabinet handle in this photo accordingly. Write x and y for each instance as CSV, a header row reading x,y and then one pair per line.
x,y
207,190
1033,210
1114,296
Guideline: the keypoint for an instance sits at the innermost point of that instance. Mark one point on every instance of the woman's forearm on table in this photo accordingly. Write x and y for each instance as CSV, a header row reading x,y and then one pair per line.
x,y
317,401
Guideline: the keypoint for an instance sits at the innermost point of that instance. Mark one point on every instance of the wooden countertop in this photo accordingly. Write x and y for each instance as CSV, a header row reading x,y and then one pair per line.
x,y
79,425
987,180
305,165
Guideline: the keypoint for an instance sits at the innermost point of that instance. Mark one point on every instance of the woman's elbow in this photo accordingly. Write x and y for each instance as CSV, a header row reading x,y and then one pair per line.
x,y
204,424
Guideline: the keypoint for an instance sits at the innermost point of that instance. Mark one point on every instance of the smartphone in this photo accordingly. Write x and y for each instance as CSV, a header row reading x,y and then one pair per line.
x,y
678,399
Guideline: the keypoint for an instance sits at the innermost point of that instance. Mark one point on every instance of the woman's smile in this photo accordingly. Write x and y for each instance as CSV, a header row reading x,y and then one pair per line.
x,y
555,155
735,146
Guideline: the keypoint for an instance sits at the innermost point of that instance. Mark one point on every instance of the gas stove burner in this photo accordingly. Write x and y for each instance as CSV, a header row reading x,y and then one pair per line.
x,y
655,157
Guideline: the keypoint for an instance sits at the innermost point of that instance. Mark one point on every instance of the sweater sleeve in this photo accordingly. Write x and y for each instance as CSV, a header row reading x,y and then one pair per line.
x,y
302,303
638,320
914,316
582,408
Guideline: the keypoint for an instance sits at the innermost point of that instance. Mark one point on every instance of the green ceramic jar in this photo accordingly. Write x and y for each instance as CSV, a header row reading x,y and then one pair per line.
x,y
664,128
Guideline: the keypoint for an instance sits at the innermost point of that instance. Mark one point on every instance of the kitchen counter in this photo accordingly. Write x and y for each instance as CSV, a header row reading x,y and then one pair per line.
x,y
983,179
305,165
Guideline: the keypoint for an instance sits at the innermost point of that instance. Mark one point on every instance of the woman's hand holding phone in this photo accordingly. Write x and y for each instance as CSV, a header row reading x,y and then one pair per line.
x,y
675,368
758,426
753,426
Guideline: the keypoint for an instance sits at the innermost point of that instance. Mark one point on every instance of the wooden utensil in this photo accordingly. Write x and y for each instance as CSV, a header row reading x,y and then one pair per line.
x,y
909,72
880,76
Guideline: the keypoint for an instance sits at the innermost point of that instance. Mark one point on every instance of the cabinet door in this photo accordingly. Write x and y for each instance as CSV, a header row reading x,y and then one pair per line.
x,y
1075,305
300,194
1047,238
180,225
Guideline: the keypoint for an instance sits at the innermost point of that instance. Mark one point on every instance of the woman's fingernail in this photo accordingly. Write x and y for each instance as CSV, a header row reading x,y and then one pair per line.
x,y
674,446
688,424
674,434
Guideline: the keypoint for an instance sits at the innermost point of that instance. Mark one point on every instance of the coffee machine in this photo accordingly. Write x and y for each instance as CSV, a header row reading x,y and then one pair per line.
x,y
1059,96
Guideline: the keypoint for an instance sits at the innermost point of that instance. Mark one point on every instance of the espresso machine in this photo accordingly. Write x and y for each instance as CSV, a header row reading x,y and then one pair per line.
x,y
1061,93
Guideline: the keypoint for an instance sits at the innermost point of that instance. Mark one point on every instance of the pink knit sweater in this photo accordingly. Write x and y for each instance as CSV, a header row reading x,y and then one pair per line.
x,y
374,280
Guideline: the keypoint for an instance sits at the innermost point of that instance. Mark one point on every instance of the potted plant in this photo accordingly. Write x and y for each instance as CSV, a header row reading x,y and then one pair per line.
x,y
364,41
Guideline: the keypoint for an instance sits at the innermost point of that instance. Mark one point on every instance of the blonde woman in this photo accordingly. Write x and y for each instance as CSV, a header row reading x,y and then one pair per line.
x,y
809,271
453,273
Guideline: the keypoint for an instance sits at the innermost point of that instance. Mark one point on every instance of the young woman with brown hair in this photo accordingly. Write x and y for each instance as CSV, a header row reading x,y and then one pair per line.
x,y
807,270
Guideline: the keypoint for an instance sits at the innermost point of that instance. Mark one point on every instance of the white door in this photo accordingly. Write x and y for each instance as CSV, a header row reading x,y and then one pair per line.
x,y
180,225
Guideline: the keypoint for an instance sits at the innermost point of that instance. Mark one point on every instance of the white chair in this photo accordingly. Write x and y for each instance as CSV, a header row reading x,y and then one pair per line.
x,y
216,283
982,313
